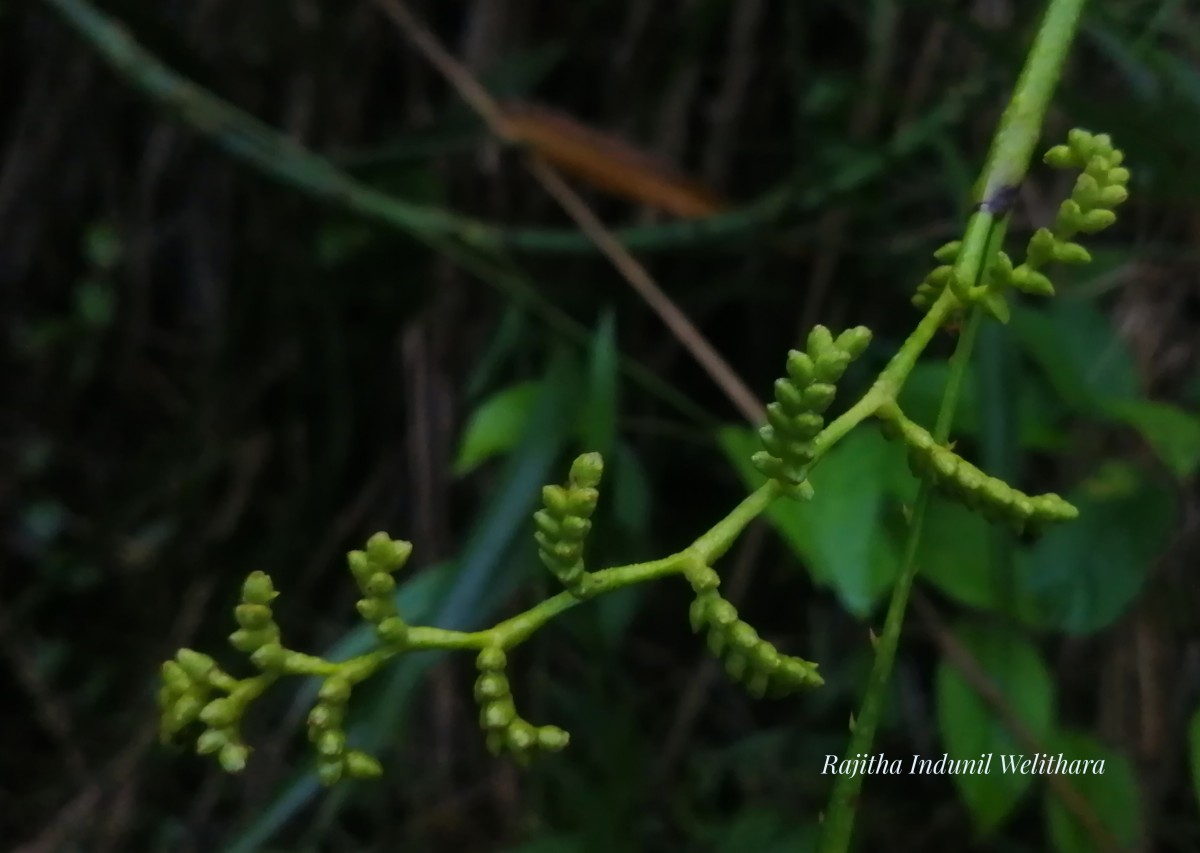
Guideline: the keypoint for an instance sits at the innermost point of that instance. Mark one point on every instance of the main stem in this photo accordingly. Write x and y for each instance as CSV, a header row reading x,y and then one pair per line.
x,y
1007,163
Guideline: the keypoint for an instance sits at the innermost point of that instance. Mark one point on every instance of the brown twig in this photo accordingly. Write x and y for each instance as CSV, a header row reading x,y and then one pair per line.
x,y
478,98
962,660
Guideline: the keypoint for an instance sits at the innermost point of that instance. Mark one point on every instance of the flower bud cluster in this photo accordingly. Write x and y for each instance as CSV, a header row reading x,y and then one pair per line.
x,y
801,398
326,732
959,479
1099,189
748,658
373,570
498,717
184,698
565,521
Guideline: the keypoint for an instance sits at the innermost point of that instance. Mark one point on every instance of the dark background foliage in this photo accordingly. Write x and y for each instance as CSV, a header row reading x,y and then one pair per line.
x,y
210,373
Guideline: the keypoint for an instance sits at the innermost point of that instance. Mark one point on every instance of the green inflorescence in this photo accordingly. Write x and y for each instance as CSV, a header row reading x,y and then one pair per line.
x,y
801,398
958,478
195,690
1099,189
748,658
505,728
564,523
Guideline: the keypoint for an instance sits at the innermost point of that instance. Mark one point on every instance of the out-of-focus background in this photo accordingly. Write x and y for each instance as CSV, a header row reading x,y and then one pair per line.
x,y
246,333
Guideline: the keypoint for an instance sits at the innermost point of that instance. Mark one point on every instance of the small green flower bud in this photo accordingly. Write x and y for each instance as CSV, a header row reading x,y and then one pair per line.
x,y
802,491
359,765
586,471
334,691
722,614
547,525
1060,157
197,666
380,585
552,738
789,397
582,502
270,656
555,500
520,735
185,711
831,365
176,677
379,548
705,579
498,714
258,589
1112,196
574,528
324,717
360,564
1096,220
766,657
220,713
1031,282
820,341
491,659
233,757
948,253
854,341
743,636
1069,216
211,740
331,743
250,641
777,419
253,617
374,609
392,630
818,396
1086,190
491,686
1118,177
799,368
1071,253
567,552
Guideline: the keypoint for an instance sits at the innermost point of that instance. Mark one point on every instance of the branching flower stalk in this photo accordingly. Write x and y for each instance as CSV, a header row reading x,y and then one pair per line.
x,y
973,280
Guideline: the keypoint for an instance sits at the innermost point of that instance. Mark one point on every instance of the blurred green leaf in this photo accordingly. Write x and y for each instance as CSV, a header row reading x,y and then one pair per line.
x,y
495,426
970,726
630,491
954,555
838,534
1081,575
1037,409
1080,353
1173,433
1112,795
598,426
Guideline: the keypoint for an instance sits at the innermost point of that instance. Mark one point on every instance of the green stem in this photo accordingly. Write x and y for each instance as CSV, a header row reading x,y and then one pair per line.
x,y
1007,163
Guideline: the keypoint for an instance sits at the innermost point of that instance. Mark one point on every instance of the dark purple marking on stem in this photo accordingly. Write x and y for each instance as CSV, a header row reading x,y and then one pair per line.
x,y
999,201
